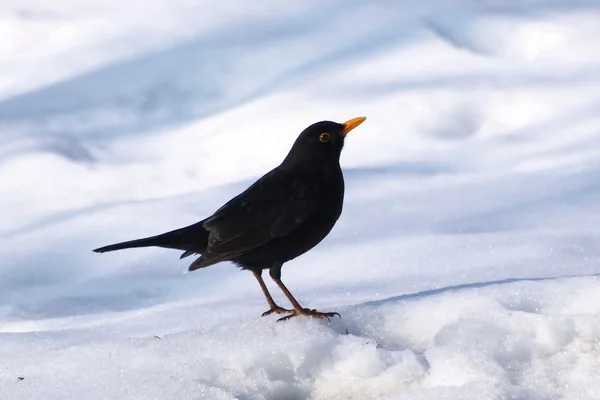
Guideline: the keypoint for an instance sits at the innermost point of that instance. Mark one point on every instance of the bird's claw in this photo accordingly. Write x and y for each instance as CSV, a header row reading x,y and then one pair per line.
x,y
309,313
276,310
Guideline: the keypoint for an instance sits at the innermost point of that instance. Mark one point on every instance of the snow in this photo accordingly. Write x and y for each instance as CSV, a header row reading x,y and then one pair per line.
x,y
466,261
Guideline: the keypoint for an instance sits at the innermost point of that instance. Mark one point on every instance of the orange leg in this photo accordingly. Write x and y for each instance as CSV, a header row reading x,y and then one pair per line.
x,y
298,309
274,308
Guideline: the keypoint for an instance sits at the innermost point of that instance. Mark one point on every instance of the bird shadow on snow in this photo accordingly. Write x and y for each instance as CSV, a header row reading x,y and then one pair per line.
x,y
463,286
352,321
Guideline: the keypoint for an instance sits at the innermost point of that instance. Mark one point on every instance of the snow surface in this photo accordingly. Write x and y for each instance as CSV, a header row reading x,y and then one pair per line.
x,y
465,264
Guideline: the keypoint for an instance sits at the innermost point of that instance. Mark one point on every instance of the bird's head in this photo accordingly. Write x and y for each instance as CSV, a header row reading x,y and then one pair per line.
x,y
320,144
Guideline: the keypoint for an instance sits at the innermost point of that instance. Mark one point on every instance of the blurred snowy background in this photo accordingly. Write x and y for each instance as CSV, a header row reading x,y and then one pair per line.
x,y
465,264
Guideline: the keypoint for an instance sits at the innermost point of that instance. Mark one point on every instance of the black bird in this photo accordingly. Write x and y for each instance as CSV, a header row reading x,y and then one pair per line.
x,y
281,216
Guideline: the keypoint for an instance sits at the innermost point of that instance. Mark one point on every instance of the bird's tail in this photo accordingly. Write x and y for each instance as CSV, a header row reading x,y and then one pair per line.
x,y
191,239
145,242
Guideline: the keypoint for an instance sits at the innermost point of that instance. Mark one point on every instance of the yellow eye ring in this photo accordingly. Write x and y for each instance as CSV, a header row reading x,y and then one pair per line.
x,y
325,137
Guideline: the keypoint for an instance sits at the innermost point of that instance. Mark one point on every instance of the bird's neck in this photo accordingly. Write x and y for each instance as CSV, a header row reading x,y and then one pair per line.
x,y
331,168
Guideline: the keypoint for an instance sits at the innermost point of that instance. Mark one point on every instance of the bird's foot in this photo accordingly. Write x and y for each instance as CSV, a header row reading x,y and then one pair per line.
x,y
277,310
309,313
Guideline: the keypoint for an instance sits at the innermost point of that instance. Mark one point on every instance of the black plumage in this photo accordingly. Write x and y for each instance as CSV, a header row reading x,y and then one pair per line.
x,y
281,216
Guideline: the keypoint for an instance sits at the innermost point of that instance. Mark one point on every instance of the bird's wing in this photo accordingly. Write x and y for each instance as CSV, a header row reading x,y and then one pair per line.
x,y
274,206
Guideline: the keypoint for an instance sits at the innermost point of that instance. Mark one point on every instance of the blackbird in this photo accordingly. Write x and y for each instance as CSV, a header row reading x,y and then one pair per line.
x,y
284,214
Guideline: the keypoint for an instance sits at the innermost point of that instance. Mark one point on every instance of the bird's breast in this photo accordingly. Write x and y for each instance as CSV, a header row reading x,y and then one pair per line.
x,y
326,192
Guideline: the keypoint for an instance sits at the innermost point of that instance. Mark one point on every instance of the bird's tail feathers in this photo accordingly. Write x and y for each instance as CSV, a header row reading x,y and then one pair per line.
x,y
145,242
192,239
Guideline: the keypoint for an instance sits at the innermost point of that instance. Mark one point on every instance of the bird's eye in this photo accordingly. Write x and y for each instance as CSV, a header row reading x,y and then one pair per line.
x,y
325,137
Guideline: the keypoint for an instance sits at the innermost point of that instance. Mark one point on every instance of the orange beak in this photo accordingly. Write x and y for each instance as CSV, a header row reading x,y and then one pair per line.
x,y
351,124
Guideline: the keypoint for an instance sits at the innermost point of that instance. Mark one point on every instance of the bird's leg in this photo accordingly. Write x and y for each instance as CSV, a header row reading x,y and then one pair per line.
x,y
274,308
298,309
